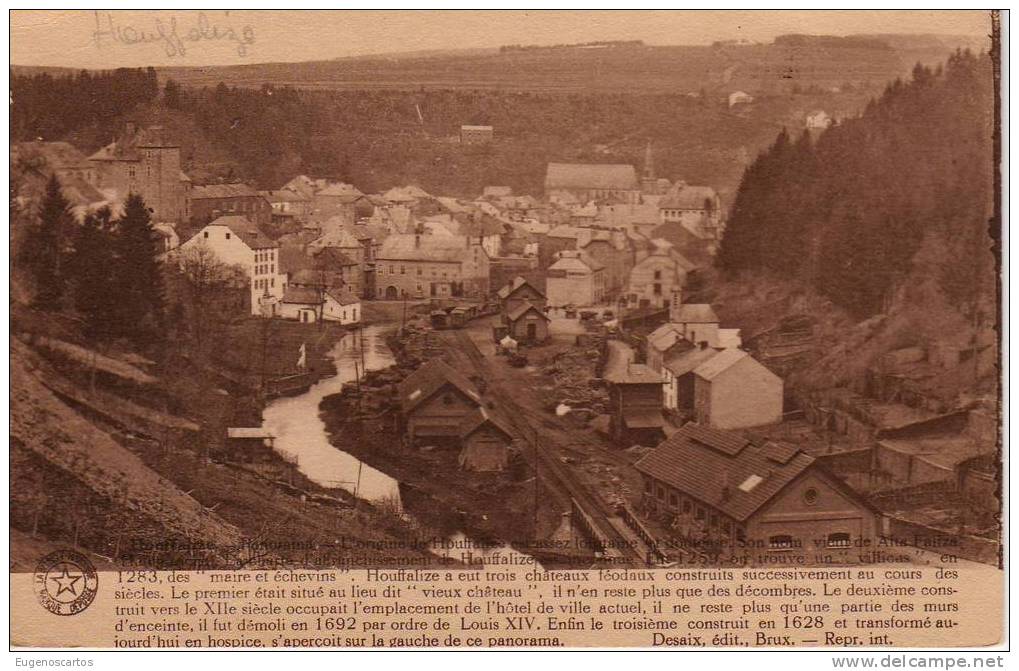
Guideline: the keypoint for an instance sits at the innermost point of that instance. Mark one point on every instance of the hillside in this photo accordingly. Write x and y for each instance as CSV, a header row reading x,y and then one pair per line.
x,y
628,68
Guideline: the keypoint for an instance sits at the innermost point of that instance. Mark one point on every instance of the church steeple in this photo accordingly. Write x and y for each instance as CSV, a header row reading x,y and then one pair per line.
x,y
649,163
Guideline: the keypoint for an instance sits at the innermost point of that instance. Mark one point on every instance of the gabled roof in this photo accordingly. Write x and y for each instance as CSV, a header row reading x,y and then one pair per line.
x,y
283,196
695,313
522,309
664,337
302,295
518,282
634,373
605,176
724,470
246,231
409,193
237,190
442,248
331,257
717,365
483,416
339,189
681,363
422,384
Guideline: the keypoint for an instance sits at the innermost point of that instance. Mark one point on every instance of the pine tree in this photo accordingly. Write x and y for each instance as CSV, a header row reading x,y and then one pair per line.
x,y
91,280
138,273
44,249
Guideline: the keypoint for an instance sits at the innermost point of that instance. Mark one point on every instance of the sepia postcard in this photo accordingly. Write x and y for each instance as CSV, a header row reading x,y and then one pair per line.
x,y
511,329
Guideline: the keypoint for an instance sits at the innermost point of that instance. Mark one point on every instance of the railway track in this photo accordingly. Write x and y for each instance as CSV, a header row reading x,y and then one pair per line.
x,y
556,476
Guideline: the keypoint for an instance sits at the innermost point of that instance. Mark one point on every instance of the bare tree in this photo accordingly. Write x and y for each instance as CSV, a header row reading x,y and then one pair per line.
x,y
206,277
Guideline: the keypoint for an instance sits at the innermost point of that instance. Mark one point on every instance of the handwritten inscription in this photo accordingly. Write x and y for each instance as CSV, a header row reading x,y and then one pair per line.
x,y
174,36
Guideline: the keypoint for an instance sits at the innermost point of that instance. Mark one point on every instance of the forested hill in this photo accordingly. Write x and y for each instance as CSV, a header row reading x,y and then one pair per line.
x,y
901,195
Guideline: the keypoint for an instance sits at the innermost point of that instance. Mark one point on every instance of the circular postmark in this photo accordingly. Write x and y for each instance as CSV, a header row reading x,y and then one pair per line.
x,y
65,582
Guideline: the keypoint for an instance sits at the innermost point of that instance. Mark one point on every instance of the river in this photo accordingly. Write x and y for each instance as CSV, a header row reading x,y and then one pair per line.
x,y
301,434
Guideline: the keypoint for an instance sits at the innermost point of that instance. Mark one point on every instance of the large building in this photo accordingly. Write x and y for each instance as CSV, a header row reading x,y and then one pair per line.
x,y
235,241
212,201
657,277
584,182
575,279
697,208
719,490
437,266
732,390
146,162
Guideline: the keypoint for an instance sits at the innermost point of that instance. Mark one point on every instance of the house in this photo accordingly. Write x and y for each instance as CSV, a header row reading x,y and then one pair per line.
x,y
679,379
438,266
584,182
518,292
696,321
612,249
166,237
236,241
476,134
211,201
635,405
642,217
527,324
732,390
339,271
147,162
435,402
485,442
341,203
740,98
309,305
718,490
575,279
657,277
818,120
697,208
288,205
41,160
558,239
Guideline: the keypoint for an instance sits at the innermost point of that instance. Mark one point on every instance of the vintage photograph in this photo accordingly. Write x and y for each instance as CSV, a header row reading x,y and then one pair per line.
x,y
555,290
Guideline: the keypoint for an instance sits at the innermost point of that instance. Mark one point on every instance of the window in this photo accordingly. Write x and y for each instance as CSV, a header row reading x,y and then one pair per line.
x,y
648,487
839,540
227,236
660,492
781,542
403,270
658,274
699,515
714,520
205,234
658,289
810,496
687,506
673,500
272,281
726,526
419,273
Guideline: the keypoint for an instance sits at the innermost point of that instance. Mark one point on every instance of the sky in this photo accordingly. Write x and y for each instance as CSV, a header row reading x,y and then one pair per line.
x,y
130,38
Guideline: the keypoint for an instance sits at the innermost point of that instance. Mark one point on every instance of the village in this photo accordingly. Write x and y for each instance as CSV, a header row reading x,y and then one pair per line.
x,y
557,379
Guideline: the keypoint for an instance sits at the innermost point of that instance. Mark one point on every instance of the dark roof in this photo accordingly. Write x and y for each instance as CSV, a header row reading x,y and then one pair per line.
x,y
245,230
302,295
607,176
523,309
292,259
222,191
420,385
480,418
724,470
332,257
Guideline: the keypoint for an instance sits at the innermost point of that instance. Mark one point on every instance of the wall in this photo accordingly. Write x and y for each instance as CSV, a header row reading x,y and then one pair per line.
x,y
642,281
790,513
746,394
437,417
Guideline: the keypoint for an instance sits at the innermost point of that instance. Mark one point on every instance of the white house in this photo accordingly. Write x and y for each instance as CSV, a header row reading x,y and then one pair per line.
x,y
575,279
304,304
236,241
732,390
818,120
